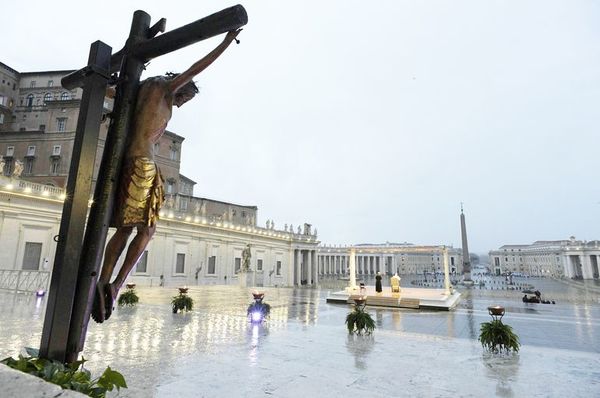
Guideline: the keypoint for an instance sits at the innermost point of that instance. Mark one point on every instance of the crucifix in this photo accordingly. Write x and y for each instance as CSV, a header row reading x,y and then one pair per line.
x,y
73,289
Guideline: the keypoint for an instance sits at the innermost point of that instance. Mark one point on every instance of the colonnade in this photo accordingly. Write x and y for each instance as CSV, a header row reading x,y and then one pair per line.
x,y
338,264
305,267
582,266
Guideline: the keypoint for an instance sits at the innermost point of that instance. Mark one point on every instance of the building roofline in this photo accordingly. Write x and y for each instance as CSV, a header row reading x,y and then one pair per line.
x,y
226,203
9,68
187,178
172,134
49,72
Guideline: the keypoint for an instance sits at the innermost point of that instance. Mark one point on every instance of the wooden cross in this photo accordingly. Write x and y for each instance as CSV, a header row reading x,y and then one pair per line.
x,y
78,255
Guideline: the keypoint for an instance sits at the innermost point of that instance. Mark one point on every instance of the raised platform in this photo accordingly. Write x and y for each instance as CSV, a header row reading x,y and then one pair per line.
x,y
416,298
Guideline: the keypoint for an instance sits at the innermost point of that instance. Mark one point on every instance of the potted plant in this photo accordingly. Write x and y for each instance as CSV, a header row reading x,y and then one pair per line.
x,y
497,337
358,320
128,297
182,302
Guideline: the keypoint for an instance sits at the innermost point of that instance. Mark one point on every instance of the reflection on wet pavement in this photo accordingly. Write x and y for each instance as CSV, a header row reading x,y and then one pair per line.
x,y
151,344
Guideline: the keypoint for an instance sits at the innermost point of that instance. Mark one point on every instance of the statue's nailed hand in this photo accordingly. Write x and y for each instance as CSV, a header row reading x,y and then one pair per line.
x,y
232,35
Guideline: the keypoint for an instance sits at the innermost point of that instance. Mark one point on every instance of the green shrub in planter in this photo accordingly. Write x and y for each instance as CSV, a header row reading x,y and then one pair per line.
x,y
68,377
182,302
497,337
128,298
359,321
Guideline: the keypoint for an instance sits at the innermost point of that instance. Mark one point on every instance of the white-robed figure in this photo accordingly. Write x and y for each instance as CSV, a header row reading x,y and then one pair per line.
x,y
395,283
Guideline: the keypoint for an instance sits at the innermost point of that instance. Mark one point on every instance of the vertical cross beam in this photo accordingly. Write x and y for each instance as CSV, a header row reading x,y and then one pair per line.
x,y
68,251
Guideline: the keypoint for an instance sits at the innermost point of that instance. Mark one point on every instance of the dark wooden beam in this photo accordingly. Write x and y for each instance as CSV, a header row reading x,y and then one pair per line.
x,y
61,296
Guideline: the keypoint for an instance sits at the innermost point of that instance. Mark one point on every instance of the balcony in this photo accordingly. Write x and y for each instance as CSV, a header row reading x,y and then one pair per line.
x,y
31,188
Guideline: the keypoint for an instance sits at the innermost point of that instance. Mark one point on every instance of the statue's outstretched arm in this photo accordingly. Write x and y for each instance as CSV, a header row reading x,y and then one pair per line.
x,y
185,77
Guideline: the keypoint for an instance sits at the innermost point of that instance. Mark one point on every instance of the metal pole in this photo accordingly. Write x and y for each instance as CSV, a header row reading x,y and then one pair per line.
x,y
66,262
108,177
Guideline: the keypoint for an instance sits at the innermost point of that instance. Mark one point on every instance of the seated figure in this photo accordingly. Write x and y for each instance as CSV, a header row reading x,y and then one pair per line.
x,y
395,283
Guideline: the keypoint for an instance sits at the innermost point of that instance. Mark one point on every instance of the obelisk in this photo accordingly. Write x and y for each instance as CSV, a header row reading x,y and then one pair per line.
x,y
465,247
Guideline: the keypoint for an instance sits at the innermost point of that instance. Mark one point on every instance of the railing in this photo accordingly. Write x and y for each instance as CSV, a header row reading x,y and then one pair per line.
x,y
24,280
169,213
40,188
32,188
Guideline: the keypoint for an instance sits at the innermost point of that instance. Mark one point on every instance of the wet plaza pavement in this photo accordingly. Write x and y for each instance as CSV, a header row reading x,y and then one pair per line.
x,y
304,348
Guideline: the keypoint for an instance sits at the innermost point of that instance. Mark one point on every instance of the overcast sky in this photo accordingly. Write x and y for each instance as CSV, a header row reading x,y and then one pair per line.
x,y
373,120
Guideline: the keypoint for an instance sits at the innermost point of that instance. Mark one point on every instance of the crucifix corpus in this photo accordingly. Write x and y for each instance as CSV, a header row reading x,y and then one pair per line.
x,y
129,191
140,194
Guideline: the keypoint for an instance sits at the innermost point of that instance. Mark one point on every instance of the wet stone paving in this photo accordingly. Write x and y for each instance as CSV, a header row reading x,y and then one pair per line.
x,y
304,350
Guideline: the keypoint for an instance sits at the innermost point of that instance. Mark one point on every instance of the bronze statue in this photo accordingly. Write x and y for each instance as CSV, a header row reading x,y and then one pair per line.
x,y
140,194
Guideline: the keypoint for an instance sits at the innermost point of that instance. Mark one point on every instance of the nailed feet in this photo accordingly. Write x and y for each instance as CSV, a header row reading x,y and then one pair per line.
x,y
109,299
104,301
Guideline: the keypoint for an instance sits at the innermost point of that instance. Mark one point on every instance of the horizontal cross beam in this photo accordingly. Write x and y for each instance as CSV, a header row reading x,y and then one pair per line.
x,y
220,22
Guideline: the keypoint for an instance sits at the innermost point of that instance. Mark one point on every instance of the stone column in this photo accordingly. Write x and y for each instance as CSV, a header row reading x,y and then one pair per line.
x,y
567,266
331,265
373,265
316,273
298,268
586,266
320,262
361,261
363,265
309,267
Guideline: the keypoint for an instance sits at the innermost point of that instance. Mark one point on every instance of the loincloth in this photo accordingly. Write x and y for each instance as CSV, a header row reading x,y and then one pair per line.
x,y
140,194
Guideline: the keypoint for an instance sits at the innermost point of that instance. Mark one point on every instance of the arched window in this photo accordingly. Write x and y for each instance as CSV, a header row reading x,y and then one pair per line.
x,y
65,96
47,98
29,102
